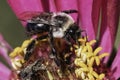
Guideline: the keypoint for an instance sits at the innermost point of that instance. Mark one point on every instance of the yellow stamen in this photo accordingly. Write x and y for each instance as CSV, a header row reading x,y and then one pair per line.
x,y
101,76
97,50
17,51
25,43
91,61
50,75
78,62
90,50
85,59
94,74
90,76
103,55
92,42
97,60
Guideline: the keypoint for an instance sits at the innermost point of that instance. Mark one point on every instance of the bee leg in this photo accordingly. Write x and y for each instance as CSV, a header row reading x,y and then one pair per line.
x,y
42,37
53,51
29,50
68,39
77,36
70,11
31,47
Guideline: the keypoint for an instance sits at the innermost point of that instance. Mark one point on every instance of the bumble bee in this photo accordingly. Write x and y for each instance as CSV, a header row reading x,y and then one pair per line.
x,y
52,25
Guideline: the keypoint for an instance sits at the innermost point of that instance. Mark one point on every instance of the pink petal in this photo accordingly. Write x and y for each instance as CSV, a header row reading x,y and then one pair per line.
x,y
4,49
67,5
4,53
4,72
5,43
85,9
52,6
106,43
96,14
116,65
109,24
22,6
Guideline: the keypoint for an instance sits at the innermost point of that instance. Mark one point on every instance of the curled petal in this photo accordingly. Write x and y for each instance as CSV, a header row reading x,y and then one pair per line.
x,y
109,25
4,72
4,49
5,43
96,13
115,65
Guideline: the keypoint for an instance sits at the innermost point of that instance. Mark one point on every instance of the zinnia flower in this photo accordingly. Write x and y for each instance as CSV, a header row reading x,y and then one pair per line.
x,y
88,61
5,48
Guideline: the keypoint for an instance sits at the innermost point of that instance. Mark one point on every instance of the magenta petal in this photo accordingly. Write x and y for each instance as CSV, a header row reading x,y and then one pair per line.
x,y
22,6
96,14
109,24
67,5
4,72
52,6
116,65
4,49
106,43
85,9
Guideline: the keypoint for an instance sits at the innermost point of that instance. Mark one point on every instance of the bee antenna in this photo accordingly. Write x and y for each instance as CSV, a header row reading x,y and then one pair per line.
x,y
70,11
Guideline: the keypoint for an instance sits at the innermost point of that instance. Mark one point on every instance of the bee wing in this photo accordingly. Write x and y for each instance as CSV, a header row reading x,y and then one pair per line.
x,y
28,15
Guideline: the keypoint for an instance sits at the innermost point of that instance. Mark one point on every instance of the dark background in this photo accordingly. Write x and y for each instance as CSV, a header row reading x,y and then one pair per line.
x,y
12,30
10,26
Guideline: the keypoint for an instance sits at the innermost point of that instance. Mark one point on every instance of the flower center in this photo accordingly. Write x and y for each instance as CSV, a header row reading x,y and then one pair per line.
x,y
78,61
